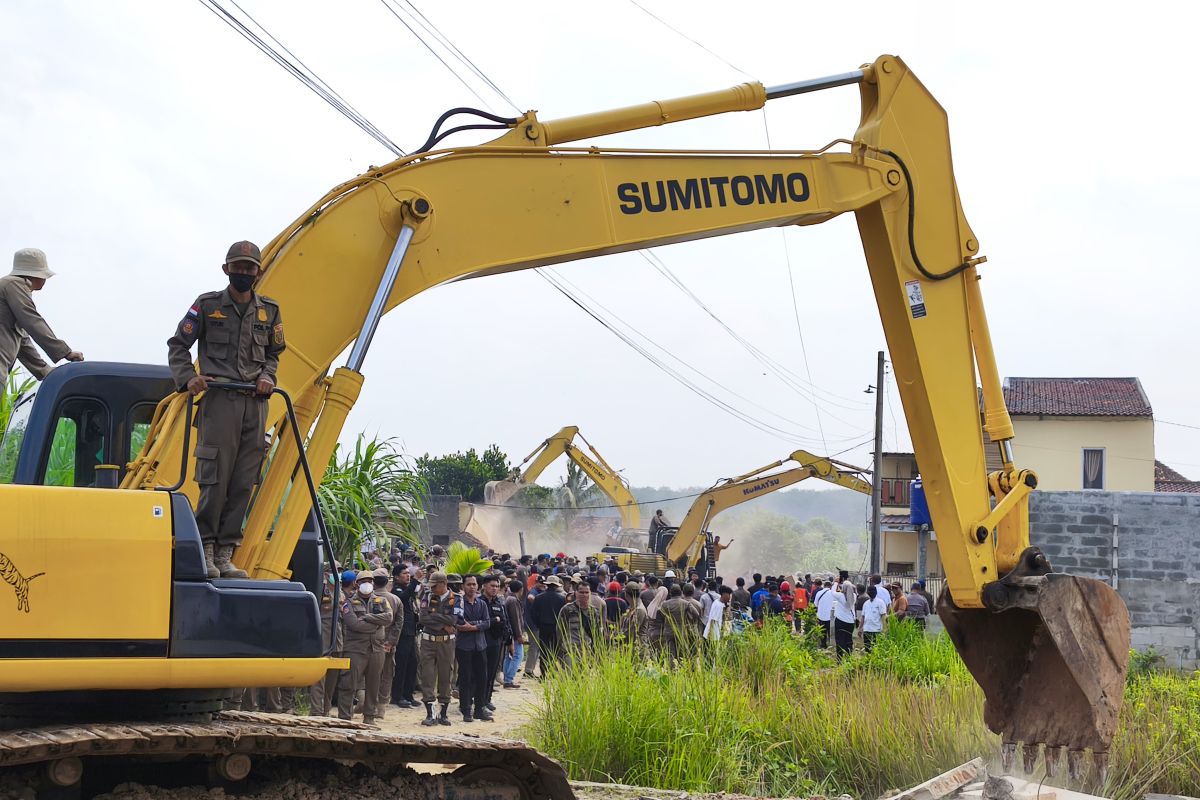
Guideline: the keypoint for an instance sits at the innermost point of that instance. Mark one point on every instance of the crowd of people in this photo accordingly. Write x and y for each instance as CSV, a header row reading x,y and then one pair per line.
x,y
414,630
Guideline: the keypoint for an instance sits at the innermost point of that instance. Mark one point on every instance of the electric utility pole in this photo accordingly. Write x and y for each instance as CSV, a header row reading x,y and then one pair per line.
x,y
877,469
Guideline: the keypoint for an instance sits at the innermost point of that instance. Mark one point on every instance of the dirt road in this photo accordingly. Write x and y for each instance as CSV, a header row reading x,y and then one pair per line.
x,y
513,709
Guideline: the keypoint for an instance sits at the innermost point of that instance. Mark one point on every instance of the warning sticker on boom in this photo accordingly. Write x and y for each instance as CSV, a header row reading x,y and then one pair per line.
x,y
916,298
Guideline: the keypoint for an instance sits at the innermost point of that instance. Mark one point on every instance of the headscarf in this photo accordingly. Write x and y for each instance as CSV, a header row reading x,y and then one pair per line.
x,y
660,596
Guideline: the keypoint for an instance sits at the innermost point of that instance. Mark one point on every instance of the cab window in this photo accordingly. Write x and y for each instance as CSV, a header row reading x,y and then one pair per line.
x,y
13,436
79,443
139,427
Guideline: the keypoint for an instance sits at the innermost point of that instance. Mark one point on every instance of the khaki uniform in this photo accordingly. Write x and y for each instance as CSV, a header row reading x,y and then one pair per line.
x,y
365,619
21,325
437,645
321,694
391,637
681,626
240,347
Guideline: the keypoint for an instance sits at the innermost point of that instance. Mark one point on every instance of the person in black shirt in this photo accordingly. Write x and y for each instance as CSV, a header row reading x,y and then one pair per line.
x,y
498,635
404,682
545,615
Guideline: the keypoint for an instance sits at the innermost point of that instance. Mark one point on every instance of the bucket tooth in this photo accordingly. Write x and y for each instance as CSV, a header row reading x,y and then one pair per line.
x,y
1029,755
1008,756
1076,766
1100,762
1051,754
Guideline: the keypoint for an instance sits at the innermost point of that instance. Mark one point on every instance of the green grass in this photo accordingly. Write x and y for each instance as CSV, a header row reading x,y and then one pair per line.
x,y
765,714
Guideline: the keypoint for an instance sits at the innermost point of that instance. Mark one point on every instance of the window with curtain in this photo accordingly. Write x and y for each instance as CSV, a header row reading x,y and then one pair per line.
x,y
1093,468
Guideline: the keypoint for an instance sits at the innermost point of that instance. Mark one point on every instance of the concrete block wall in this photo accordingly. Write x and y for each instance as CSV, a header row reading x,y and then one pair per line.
x,y
440,525
1154,541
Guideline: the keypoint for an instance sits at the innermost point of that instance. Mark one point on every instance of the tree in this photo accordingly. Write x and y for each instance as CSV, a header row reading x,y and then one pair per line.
x,y
369,494
463,474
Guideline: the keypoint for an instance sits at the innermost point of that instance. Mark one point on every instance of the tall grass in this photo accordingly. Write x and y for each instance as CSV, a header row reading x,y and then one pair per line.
x,y
764,714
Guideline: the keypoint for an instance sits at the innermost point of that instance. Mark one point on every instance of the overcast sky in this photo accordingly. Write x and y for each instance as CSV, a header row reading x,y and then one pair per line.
x,y
140,139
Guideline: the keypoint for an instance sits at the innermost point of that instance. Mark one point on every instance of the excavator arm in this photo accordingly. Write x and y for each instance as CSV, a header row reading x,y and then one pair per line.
x,y
1048,649
597,470
688,542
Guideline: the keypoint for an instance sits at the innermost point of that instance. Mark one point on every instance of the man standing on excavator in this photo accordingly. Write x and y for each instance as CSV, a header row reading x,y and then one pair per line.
x,y
20,320
241,337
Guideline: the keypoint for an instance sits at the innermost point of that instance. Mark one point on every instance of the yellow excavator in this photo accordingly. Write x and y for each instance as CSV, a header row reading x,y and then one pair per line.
x,y
114,647
690,545
615,487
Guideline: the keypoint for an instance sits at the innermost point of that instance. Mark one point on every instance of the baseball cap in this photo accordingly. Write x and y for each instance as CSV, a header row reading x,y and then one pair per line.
x,y
380,573
366,576
437,577
919,583
560,555
349,575
613,586
243,251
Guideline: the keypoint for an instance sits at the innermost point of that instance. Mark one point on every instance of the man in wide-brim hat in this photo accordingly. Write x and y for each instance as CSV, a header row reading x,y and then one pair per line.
x,y
20,323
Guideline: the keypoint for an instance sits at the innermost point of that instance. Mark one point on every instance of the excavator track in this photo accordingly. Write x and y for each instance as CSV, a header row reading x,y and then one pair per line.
x,y
235,742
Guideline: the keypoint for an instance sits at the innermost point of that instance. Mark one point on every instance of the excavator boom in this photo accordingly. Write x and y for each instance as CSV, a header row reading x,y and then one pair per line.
x,y
615,487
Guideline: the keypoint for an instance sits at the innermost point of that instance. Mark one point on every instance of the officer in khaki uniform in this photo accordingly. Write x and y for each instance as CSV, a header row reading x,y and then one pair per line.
x,y
241,337
436,613
391,637
365,616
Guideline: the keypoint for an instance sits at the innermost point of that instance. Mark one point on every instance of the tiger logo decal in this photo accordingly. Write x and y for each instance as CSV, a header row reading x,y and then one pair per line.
x,y
13,577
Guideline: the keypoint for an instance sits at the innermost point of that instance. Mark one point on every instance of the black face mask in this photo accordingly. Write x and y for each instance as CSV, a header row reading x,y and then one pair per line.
x,y
241,283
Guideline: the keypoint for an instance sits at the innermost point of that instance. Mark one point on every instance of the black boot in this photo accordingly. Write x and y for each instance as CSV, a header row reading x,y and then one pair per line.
x,y
466,712
443,719
429,720
483,714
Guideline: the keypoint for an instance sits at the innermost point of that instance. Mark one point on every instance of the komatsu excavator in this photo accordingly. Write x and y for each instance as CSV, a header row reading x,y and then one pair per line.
x,y
690,546
114,647
615,487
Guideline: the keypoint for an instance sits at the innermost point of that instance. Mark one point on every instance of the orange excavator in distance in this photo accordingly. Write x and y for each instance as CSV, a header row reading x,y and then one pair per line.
x,y
131,678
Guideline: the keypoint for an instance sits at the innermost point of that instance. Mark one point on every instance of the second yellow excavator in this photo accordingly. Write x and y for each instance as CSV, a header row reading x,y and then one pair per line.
x,y
615,487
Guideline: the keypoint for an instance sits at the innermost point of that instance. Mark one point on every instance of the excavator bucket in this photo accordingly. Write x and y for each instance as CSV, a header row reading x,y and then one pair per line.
x,y
1051,663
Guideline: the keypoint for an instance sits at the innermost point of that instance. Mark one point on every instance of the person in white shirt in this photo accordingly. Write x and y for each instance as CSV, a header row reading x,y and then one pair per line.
x,y
714,624
823,600
843,614
884,594
873,612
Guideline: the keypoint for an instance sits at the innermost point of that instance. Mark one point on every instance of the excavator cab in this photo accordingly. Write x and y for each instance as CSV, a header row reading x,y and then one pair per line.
x,y
149,631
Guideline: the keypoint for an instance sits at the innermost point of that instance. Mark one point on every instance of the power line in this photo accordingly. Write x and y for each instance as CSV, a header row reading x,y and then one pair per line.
x,y
684,363
435,53
428,25
298,69
1178,424
749,419
783,373
678,32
